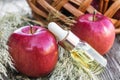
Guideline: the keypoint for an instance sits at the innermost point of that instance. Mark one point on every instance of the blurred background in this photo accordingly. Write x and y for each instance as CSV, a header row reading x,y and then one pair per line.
x,y
7,6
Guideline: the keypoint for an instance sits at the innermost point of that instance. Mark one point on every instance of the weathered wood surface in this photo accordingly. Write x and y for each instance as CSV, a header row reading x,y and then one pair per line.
x,y
112,71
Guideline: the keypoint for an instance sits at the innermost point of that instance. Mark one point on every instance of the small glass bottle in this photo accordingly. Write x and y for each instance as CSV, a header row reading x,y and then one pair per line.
x,y
82,53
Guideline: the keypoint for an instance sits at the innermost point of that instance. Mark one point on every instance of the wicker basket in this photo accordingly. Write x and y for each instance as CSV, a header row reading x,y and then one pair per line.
x,y
67,10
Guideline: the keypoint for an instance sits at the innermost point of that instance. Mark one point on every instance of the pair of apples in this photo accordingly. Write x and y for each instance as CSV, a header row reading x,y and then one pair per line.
x,y
35,53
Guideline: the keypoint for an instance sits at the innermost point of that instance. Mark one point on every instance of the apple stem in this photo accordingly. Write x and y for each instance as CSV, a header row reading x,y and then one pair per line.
x,y
94,15
31,29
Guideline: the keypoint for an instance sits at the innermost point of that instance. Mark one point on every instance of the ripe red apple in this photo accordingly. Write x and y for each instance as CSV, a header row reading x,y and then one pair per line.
x,y
100,33
34,53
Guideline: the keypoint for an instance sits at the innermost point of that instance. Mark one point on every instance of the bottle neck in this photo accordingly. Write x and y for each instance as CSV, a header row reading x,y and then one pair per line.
x,y
70,41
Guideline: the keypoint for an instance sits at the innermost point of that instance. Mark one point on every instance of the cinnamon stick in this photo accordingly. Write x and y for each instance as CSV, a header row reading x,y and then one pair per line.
x,y
101,6
105,5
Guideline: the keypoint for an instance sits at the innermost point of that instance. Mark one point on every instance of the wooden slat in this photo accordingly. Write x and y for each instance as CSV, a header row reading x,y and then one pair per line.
x,y
85,4
73,10
37,10
60,4
113,9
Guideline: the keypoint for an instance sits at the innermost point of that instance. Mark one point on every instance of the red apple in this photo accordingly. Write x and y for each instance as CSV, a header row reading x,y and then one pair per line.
x,y
100,33
34,54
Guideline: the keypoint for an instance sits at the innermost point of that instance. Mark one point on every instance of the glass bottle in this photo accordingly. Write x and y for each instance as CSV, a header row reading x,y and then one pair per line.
x,y
82,53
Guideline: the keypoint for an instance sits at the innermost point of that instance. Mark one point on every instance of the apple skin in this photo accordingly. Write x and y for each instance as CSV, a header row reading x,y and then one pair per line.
x,y
34,55
100,34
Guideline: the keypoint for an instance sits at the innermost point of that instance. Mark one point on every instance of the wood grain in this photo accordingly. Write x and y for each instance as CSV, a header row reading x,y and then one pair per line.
x,y
112,71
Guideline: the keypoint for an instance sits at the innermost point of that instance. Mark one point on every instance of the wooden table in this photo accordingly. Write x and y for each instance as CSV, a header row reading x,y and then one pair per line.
x,y
112,71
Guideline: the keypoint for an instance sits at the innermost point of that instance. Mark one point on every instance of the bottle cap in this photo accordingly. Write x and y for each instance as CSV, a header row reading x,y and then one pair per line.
x,y
57,31
62,34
